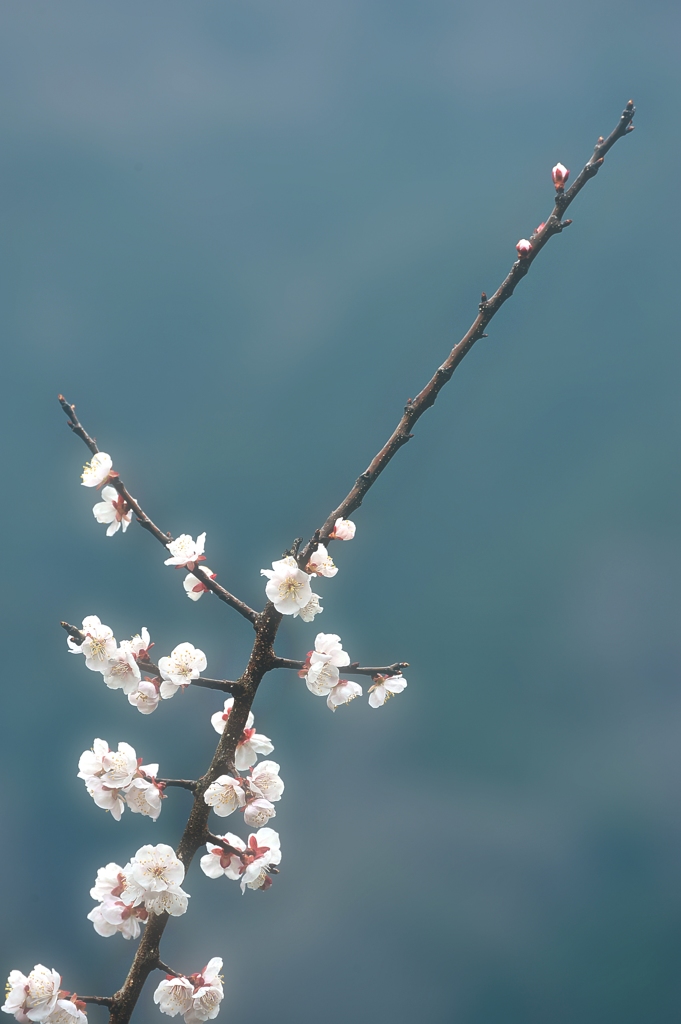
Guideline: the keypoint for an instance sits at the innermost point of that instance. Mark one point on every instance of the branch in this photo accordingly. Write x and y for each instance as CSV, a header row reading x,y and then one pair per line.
x,y
144,520
218,684
160,966
100,1000
182,783
352,669
415,408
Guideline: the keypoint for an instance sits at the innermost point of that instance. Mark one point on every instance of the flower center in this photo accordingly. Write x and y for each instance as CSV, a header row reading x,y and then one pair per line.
x,y
289,588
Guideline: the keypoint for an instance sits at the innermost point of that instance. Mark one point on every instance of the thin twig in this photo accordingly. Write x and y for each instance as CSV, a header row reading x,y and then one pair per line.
x,y
100,1000
160,966
415,408
144,520
218,684
181,783
353,669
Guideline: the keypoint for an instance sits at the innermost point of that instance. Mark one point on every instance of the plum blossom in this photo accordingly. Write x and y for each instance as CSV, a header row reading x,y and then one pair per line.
x,y
524,247
208,993
119,911
68,1011
144,795
32,998
196,997
115,778
343,692
114,768
288,587
324,664
225,795
98,646
258,812
321,563
185,551
265,776
194,588
97,471
251,743
174,995
384,688
113,916
311,609
146,697
113,510
184,663
344,529
121,671
248,862
109,798
153,877
560,175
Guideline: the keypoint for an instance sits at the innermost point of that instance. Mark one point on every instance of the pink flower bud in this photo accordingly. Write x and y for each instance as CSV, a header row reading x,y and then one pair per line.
x,y
560,175
524,248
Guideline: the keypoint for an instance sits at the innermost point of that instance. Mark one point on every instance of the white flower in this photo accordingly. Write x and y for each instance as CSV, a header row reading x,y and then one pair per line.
x,y
155,869
32,998
174,995
110,882
251,743
218,861
288,587
143,796
115,769
97,471
98,646
311,609
184,663
258,812
113,916
225,795
266,777
121,671
321,563
153,877
245,861
207,993
194,587
342,693
140,643
146,697
172,901
262,852
114,510
343,529
185,551
325,661
384,688
67,1012
109,798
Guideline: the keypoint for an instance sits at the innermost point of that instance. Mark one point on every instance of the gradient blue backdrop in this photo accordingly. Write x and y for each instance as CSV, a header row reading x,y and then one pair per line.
x,y
239,235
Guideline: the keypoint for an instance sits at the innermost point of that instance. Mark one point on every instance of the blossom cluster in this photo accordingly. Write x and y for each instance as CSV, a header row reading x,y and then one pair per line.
x,y
250,862
321,672
38,997
116,778
119,664
196,996
150,883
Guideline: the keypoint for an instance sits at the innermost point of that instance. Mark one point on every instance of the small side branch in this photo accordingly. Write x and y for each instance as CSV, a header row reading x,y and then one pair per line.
x,y
99,1000
145,522
189,784
160,966
353,669
226,685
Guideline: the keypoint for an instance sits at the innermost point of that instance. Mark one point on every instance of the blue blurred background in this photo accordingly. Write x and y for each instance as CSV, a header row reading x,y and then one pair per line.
x,y
239,236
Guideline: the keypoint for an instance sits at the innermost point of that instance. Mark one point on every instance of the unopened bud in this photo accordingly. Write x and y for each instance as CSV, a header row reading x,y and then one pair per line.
x,y
560,175
524,248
